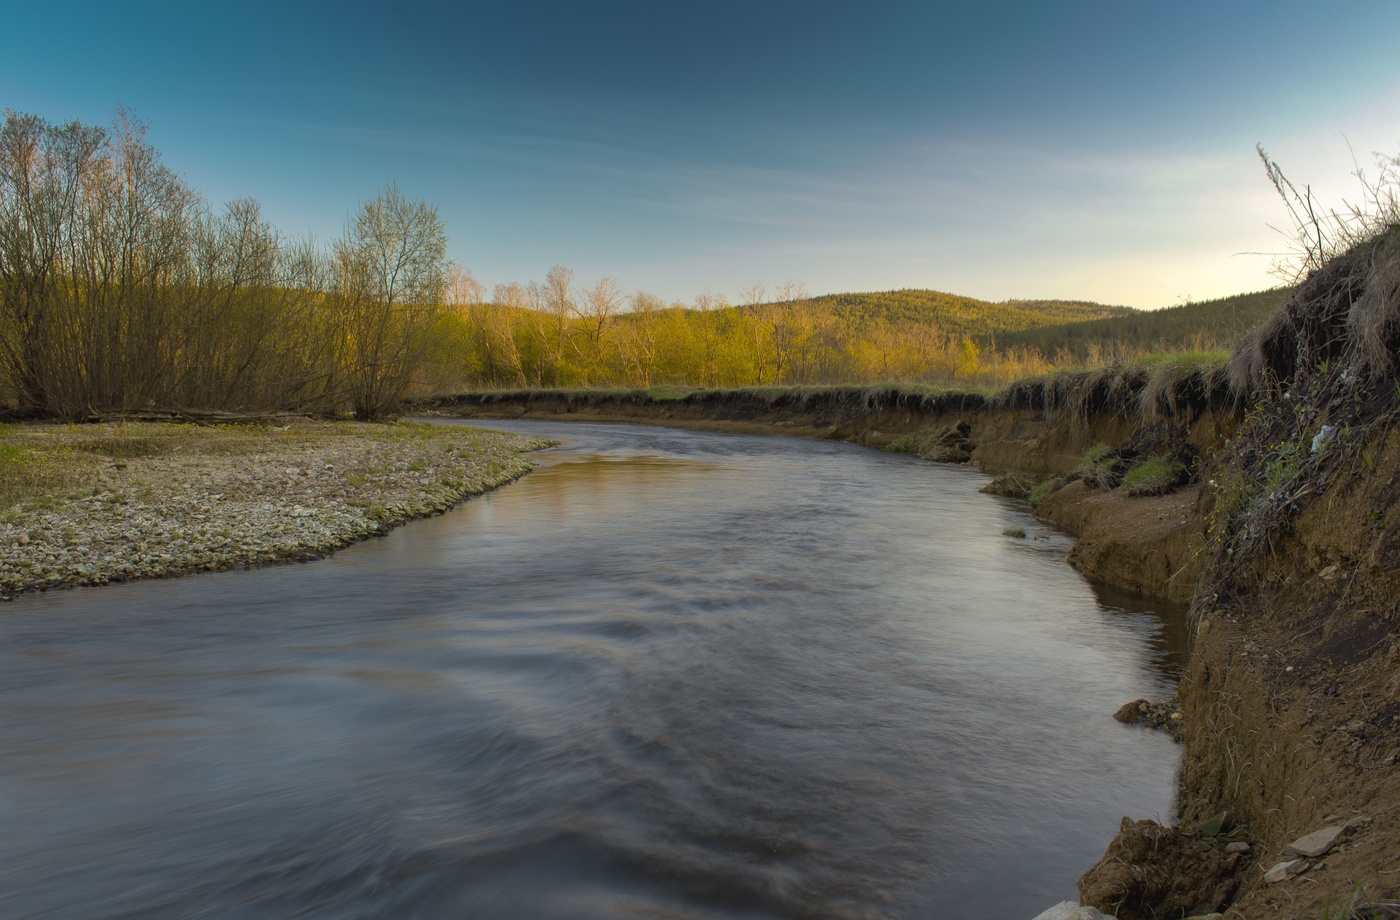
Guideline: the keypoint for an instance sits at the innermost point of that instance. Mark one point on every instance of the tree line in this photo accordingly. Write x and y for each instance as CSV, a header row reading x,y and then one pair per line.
x,y
121,288
559,334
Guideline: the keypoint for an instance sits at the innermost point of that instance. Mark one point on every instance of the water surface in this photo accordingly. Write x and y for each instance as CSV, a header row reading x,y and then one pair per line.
x,y
669,674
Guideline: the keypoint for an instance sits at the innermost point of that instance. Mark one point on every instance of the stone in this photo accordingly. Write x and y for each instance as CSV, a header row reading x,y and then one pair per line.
x,y
1071,910
1213,826
1237,846
1285,870
1316,843
1129,712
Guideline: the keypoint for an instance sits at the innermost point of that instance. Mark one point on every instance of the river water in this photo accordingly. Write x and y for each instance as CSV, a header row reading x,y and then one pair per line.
x,y
670,674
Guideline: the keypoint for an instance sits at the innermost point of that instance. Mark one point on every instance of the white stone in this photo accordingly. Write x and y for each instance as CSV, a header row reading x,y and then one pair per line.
x,y
1070,910
1316,843
1285,870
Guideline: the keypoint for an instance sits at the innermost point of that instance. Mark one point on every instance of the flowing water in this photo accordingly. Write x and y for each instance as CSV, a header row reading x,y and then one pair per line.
x,y
669,674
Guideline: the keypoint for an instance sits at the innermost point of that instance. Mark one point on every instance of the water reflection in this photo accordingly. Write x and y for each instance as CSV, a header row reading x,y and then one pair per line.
x,y
670,674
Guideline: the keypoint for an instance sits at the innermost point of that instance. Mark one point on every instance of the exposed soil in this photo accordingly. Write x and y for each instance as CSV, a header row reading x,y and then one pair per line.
x,y
1292,698
1150,545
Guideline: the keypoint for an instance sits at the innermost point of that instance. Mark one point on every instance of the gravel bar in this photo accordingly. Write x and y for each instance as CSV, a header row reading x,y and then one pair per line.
x,y
95,504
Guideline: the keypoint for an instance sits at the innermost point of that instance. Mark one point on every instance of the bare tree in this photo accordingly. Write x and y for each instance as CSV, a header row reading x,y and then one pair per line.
x,y
390,279
640,346
553,305
600,303
460,288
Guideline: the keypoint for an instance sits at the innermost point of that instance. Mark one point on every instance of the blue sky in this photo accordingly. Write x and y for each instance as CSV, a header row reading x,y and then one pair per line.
x,y
1097,150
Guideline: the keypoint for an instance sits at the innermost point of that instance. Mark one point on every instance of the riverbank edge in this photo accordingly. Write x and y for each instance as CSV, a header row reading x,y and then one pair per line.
x,y
1263,737
1146,545
161,500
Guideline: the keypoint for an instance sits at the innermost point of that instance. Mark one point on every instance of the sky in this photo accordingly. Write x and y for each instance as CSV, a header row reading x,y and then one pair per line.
x,y
1082,150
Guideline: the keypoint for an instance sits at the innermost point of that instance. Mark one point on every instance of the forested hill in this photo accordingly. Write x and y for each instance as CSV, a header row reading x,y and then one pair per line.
x,y
1210,324
956,315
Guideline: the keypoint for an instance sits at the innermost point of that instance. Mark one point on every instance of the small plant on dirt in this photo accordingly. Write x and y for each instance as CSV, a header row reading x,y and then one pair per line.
x,y
1359,905
1154,476
1041,492
1100,467
1010,486
1279,469
942,445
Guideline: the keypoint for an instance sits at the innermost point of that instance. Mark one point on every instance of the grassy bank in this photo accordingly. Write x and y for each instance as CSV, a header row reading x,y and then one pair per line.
x,y
93,504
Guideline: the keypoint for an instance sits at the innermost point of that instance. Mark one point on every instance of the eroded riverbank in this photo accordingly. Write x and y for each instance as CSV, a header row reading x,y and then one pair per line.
x,y
95,504
1286,547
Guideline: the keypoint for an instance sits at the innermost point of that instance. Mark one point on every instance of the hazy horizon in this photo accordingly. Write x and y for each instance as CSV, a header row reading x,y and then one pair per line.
x,y
1089,151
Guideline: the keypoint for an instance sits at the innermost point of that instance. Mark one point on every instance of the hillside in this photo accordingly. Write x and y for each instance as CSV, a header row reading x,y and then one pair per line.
x,y
1210,323
957,315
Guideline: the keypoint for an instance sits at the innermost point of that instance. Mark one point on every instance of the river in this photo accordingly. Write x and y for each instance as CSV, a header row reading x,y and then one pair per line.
x,y
670,674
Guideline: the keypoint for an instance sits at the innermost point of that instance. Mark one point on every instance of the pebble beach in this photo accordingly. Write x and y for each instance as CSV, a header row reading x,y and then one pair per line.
x,y
102,503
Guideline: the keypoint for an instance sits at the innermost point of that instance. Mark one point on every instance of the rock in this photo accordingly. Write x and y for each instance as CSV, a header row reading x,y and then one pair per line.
x,y
1285,870
1237,846
1161,714
1213,826
1130,713
1071,910
1315,844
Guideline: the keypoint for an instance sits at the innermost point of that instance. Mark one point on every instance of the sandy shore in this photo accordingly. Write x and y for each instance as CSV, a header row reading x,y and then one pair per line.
x,y
94,504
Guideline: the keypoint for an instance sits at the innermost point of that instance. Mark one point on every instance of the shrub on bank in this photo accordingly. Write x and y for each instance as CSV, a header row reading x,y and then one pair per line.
x,y
1100,468
942,445
1041,492
1154,476
1010,486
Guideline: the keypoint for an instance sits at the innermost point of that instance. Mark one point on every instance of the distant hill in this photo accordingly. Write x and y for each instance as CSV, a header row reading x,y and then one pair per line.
x,y
957,315
1211,323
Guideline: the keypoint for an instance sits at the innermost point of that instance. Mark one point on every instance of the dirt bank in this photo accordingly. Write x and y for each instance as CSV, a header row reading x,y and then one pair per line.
x,y
93,504
1292,696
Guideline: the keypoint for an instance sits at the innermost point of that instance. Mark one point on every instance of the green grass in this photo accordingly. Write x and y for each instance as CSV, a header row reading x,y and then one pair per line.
x,y
1098,467
942,445
1010,486
1183,361
1154,476
1041,492
665,393
28,475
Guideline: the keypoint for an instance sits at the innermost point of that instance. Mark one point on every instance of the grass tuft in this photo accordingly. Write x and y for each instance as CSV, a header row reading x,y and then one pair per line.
x,y
942,445
1154,476
1041,492
1010,486
1100,467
